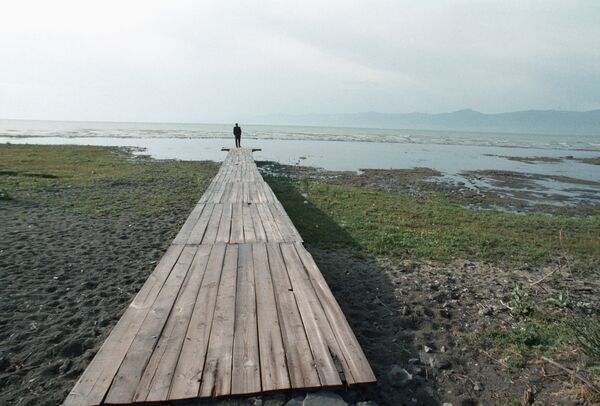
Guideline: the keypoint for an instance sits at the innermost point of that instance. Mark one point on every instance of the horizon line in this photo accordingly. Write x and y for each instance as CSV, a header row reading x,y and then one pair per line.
x,y
264,115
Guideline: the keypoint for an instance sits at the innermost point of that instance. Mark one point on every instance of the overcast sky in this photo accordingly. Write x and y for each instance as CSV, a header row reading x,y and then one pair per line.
x,y
214,61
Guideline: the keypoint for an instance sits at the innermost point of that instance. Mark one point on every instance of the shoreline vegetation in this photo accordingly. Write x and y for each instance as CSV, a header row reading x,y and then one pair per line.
x,y
450,303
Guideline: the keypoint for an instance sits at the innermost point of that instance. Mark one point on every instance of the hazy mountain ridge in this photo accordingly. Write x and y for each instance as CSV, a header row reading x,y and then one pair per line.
x,y
530,121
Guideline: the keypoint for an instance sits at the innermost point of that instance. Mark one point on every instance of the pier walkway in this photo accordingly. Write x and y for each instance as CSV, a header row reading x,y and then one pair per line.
x,y
236,306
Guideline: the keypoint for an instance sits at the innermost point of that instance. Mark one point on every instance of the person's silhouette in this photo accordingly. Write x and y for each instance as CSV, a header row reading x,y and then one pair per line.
x,y
237,132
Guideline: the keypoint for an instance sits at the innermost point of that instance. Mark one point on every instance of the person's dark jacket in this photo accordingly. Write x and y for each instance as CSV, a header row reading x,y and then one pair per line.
x,y
237,131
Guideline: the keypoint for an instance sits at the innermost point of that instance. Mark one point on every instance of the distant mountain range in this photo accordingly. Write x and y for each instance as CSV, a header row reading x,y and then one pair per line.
x,y
530,121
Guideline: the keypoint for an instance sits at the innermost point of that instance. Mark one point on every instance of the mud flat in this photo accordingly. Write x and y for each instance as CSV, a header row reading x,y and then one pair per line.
x,y
504,190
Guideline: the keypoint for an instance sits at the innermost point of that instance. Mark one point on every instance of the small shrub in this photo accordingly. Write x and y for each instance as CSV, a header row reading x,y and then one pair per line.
x,y
520,303
562,300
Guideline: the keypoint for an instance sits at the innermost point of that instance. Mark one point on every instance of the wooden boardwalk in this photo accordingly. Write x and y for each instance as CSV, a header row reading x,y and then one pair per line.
x,y
236,306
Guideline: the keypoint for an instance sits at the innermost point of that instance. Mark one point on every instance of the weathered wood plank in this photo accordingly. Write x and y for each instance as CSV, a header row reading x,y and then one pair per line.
x,y
259,231
246,364
245,191
210,235
189,224
156,379
125,382
269,224
294,234
314,322
286,232
249,234
252,193
237,224
353,353
200,227
273,368
188,372
300,361
216,377
226,193
225,224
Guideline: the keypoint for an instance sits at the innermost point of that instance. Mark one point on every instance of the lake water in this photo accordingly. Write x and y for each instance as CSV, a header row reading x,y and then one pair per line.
x,y
333,148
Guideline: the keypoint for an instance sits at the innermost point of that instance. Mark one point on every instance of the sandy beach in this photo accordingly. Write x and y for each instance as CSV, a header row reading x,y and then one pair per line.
x,y
82,227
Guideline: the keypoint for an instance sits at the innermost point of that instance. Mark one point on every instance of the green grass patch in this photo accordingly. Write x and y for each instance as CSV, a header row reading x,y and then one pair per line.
x,y
548,335
99,180
431,226
535,333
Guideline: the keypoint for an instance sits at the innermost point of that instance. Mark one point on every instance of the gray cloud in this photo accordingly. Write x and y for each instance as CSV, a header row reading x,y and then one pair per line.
x,y
201,61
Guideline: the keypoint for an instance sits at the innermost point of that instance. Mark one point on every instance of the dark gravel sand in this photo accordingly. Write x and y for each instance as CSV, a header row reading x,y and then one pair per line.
x,y
418,324
65,280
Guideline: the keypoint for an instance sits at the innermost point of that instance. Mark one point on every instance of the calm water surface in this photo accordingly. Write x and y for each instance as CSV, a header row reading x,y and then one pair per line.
x,y
332,148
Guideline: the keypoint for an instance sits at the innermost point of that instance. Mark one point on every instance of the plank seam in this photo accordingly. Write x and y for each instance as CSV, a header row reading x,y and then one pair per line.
x,y
278,309
285,265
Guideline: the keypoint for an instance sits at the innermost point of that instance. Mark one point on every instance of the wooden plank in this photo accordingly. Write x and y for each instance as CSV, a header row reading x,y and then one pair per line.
x,y
225,224
273,368
245,192
286,233
210,235
219,193
300,361
354,355
208,195
315,324
216,377
260,193
246,364
237,224
125,382
268,192
301,280
189,224
252,193
200,227
93,384
268,222
156,379
264,198
236,193
295,235
249,235
208,192
226,193
188,372
223,190
259,231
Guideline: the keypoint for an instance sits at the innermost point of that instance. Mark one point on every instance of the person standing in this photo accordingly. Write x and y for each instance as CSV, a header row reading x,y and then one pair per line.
x,y
237,132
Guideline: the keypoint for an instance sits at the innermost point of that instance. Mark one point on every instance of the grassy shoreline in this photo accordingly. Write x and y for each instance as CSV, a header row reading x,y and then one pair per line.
x,y
432,227
77,178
